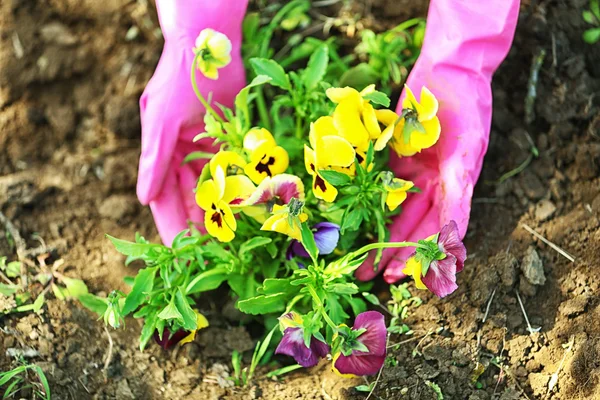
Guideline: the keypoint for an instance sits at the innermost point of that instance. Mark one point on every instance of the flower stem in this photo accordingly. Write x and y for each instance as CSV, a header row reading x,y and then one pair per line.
x,y
383,245
199,94
262,109
317,299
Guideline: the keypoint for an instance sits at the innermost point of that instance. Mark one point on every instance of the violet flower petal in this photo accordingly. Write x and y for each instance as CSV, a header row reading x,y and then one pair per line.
x,y
169,339
449,242
327,237
359,365
292,344
441,276
375,336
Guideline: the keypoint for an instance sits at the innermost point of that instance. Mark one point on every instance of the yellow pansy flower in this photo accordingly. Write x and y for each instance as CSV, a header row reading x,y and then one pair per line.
x,y
354,117
329,151
283,222
266,158
216,196
215,52
201,323
421,121
397,192
226,159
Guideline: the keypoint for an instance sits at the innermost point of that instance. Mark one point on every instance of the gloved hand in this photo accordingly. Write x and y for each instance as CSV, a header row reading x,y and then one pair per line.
x,y
464,43
171,114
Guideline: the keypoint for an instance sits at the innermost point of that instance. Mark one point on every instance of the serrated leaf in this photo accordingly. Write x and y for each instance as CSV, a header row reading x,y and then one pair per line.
x,y
335,178
263,304
186,311
378,98
241,100
93,303
142,285
316,68
273,70
257,241
272,286
208,280
130,248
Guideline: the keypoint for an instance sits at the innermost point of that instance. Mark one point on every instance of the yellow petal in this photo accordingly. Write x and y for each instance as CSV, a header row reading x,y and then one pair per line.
x,y
226,159
206,195
201,323
323,190
348,121
414,268
220,222
219,180
334,151
425,140
219,45
385,137
282,160
368,89
323,126
258,213
208,69
266,161
237,187
370,120
401,148
255,137
410,100
310,160
386,117
339,94
203,38
395,198
429,105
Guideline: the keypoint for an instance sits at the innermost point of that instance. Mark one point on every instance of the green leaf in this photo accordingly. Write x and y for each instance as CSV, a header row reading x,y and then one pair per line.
x,y
197,155
43,380
272,286
343,288
588,17
93,303
316,68
270,68
257,241
74,287
208,280
352,220
35,306
142,285
308,241
13,269
363,388
334,177
263,304
591,36
170,312
371,298
147,331
284,370
130,248
378,98
188,314
244,286
8,290
359,77
335,309
358,305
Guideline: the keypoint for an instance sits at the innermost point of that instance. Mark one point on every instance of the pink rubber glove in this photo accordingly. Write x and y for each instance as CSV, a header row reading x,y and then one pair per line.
x,y
464,43
172,115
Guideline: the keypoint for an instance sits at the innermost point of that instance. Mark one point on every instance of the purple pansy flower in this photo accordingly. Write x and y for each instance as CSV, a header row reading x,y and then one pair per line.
x,y
364,347
292,344
169,339
435,266
327,235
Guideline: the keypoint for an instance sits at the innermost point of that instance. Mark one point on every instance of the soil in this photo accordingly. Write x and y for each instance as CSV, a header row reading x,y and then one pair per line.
x,y
71,73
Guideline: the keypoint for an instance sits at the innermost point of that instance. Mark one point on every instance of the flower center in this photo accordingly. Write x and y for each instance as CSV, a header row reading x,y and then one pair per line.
x,y
264,167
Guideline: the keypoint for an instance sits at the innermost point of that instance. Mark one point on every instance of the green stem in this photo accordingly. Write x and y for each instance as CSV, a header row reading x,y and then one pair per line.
x,y
383,245
199,94
317,299
298,128
262,109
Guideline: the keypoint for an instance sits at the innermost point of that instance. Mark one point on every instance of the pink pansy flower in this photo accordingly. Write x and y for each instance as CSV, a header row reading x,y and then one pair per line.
x,y
435,265
363,349
294,344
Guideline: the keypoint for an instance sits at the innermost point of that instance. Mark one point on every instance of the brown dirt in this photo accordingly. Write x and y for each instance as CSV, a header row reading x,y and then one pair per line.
x,y
69,134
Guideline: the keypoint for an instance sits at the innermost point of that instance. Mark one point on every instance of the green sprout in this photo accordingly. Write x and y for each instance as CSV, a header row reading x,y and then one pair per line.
x,y
592,16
